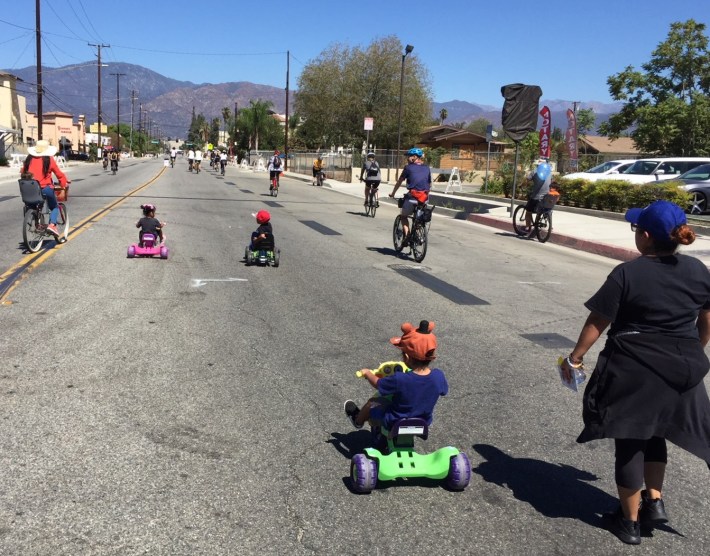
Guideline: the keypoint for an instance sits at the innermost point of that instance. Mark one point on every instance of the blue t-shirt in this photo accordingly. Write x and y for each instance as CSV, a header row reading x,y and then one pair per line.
x,y
418,176
413,395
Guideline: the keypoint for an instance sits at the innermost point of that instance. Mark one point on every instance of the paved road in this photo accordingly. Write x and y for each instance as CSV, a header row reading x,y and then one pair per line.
x,y
194,405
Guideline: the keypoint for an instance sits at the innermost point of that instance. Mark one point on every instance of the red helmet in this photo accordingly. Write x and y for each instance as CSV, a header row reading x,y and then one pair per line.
x,y
262,217
277,151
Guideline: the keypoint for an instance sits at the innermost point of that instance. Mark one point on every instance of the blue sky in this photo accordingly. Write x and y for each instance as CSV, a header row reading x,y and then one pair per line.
x,y
470,47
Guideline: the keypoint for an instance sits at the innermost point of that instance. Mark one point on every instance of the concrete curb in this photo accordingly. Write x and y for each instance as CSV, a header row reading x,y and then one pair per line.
x,y
610,251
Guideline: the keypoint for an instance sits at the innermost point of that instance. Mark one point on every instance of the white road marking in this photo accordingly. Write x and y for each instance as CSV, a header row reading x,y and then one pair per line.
x,y
199,282
533,283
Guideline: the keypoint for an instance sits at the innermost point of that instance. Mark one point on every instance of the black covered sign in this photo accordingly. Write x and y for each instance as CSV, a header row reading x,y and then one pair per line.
x,y
520,109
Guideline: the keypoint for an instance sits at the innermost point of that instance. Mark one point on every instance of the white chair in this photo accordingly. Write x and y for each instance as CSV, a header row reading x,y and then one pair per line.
x,y
61,161
454,181
260,167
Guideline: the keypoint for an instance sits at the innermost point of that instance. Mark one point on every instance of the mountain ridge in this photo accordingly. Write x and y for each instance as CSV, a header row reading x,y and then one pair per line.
x,y
169,102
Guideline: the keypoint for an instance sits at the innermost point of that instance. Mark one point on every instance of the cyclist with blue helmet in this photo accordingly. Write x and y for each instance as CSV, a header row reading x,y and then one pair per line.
x,y
541,179
418,176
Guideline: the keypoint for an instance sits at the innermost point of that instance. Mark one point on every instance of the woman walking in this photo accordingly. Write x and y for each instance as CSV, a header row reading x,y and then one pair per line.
x,y
647,386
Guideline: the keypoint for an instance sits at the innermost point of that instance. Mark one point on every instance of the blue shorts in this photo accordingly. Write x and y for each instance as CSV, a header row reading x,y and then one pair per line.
x,y
378,408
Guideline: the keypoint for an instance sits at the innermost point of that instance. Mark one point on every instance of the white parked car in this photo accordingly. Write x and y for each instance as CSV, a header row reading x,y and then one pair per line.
x,y
659,169
604,171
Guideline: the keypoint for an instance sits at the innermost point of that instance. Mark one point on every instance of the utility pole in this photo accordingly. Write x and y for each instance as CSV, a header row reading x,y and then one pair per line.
x,y
133,101
39,70
98,48
288,60
118,112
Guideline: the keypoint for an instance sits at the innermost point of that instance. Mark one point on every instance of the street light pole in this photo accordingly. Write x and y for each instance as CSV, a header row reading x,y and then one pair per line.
x,y
407,50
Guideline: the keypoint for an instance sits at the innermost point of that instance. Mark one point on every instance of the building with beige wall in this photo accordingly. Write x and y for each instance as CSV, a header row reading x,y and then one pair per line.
x,y
12,110
55,126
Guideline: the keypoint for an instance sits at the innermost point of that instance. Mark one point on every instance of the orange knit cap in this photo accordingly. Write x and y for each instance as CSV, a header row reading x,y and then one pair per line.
x,y
420,343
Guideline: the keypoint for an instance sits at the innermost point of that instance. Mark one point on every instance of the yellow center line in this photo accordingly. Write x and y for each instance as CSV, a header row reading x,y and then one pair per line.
x,y
12,277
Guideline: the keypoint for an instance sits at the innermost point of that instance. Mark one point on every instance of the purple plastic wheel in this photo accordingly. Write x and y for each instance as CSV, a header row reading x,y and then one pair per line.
x,y
131,252
459,472
363,473
163,252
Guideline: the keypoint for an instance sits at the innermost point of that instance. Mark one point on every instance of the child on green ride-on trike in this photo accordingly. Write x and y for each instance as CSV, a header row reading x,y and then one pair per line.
x,y
404,394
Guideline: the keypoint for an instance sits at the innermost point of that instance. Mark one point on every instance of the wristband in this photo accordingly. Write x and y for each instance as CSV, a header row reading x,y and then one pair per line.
x,y
569,362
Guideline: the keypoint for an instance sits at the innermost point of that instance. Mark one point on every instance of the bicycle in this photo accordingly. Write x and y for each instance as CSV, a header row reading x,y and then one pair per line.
x,y
274,186
36,216
541,220
320,178
172,162
418,238
372,202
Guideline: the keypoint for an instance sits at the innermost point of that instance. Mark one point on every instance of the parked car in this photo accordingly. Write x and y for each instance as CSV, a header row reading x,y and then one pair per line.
x,y
648,170
75,155
602,172
697,182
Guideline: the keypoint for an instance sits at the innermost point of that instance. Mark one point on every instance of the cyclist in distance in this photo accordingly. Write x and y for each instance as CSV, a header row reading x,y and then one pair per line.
x,y
371,171
173,156
190,159
418,176
541,179
318,167
274,169
40,165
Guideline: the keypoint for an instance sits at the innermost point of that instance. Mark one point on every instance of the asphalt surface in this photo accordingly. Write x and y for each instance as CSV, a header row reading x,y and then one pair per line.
x,y
194,405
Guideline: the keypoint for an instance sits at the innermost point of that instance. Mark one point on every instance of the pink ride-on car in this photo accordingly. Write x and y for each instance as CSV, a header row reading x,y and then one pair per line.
x,y
150,248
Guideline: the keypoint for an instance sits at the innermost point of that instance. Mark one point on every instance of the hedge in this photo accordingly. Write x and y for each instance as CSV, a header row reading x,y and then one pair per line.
x,y
614,195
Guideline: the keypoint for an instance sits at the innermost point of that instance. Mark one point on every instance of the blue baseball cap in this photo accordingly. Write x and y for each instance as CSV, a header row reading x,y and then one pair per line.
x,y
659,219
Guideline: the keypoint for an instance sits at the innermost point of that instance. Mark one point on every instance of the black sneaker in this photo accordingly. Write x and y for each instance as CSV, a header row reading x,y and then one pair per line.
x,y
626,531
351,410
652,511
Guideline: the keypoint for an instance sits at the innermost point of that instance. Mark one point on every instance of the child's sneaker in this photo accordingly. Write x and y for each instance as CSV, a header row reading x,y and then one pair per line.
x,y
351,410
52,229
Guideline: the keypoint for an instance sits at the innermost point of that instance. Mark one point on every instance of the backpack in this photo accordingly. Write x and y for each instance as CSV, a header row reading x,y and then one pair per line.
x,y
276,162
373,170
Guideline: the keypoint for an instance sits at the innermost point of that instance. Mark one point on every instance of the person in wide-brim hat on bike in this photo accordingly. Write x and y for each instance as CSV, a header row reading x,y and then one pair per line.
x,y
40,165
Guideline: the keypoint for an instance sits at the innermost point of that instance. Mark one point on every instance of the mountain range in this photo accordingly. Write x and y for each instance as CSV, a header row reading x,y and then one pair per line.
x,y
169,103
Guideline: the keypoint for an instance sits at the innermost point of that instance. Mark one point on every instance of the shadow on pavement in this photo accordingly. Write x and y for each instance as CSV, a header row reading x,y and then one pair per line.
x,y
554,490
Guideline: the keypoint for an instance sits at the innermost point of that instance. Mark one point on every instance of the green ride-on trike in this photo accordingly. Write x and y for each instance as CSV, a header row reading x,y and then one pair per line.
x,y
393,455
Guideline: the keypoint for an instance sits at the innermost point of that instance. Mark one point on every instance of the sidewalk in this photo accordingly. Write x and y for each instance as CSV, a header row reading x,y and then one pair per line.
x,y
605,234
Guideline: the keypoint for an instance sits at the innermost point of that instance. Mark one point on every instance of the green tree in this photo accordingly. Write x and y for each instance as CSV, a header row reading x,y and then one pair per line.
x,y
586,119
257,123
443,114
478,126
343,85
666,105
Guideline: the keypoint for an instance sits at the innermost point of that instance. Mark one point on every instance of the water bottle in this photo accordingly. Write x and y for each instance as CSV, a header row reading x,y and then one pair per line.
x,y
578,374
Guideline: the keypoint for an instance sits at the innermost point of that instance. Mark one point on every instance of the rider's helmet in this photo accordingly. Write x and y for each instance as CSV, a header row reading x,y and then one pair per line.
x,y
147,209
262,217
419,344
415,151
370,155
320,157
276,151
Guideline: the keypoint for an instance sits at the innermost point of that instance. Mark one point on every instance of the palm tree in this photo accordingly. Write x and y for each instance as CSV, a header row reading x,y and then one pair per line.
x,y
443,114
255,120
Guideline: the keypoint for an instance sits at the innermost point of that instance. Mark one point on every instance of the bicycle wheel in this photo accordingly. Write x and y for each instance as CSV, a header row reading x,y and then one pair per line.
x,y
33,230
420,239
519,221
373,204
398,234
63,223
543,226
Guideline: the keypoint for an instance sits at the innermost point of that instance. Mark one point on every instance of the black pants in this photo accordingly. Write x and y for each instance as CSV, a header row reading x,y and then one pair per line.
x,y
631,454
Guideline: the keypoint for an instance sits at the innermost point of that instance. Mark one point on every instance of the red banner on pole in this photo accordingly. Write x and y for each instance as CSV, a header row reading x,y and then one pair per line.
x,y
571,138
545,133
